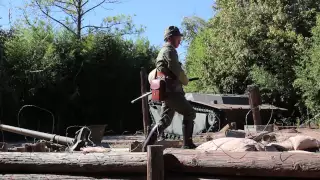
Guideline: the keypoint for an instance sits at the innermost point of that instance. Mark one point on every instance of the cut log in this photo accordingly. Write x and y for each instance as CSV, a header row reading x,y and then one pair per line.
x,y
71,163
268,164
199,177
58,177
170,177
144,104
155,166
189,162
255,101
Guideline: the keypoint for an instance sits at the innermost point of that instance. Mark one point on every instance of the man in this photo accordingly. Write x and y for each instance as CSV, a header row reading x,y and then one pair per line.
x,y
167,63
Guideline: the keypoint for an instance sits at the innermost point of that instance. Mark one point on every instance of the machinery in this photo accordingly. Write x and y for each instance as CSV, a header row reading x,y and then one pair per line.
x,y
213,112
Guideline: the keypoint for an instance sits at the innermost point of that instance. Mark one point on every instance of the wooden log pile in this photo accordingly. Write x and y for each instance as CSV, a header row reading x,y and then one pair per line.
x,y
159,163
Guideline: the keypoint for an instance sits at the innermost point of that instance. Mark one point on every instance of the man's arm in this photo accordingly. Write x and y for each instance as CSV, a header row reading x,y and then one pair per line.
x,y
175,66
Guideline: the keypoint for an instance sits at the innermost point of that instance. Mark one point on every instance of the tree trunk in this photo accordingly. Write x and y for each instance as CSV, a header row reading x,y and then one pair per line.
x,y
268,164
79,19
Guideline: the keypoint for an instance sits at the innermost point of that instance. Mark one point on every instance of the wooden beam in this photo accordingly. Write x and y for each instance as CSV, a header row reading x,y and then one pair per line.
x,y
255,102
155,166
145,107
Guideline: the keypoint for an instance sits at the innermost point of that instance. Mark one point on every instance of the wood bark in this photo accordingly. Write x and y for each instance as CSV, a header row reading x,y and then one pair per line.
x,y
63,177
145,106
253,163
255,102
189,162
171,177
72,163
155,165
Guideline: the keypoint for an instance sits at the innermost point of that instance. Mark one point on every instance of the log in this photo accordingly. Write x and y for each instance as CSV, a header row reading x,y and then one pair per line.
x,y
171,177
72,163
255,164
155,166
189,162
58,177
255,101
145,106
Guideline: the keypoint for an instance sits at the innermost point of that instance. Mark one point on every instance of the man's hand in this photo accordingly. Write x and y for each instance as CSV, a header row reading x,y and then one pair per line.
x,y
183,78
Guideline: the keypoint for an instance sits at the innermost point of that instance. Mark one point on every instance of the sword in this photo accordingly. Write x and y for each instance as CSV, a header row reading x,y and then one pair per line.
x,y
148,93
142,96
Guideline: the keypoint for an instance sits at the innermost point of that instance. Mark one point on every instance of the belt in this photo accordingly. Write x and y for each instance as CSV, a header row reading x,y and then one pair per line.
x,y
160,74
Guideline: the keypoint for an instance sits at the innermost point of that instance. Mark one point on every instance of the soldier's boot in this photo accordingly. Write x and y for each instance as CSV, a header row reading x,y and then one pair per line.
x,y
153,136
187,130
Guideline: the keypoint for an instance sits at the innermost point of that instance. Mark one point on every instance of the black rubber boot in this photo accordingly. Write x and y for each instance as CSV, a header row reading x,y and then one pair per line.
x,y
187,130
152,138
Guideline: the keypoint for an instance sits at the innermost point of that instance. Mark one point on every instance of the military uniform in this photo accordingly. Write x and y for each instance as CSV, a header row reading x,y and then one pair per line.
x,y
168,63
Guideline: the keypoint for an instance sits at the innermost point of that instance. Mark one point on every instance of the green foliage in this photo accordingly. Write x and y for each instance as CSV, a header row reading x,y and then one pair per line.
x,y
192,26
44,68
90,77
252,42
31,56
308,73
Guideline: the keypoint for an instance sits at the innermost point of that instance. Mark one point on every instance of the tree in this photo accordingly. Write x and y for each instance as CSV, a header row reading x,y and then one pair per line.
x,y
307,71
192,26
253,42
76,10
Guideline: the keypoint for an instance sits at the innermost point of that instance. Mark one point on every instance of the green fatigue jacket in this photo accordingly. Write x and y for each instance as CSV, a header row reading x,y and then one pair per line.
x,y
168,62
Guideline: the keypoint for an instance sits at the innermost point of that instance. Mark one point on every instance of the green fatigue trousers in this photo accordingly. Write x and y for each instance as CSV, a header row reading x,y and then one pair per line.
x,y
176,102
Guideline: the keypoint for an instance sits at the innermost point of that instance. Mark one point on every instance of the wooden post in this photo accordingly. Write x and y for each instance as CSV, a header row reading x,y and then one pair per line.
x,y
155,164
255,101
145,107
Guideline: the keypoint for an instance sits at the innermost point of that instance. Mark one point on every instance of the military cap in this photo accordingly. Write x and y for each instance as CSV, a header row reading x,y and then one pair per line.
x,y
171,31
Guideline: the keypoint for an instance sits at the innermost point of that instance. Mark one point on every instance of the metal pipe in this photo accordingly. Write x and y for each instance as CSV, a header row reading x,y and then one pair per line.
x,y
40,135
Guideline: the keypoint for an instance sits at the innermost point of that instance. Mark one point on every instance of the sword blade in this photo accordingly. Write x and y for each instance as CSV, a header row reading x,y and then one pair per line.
x,y
142,96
